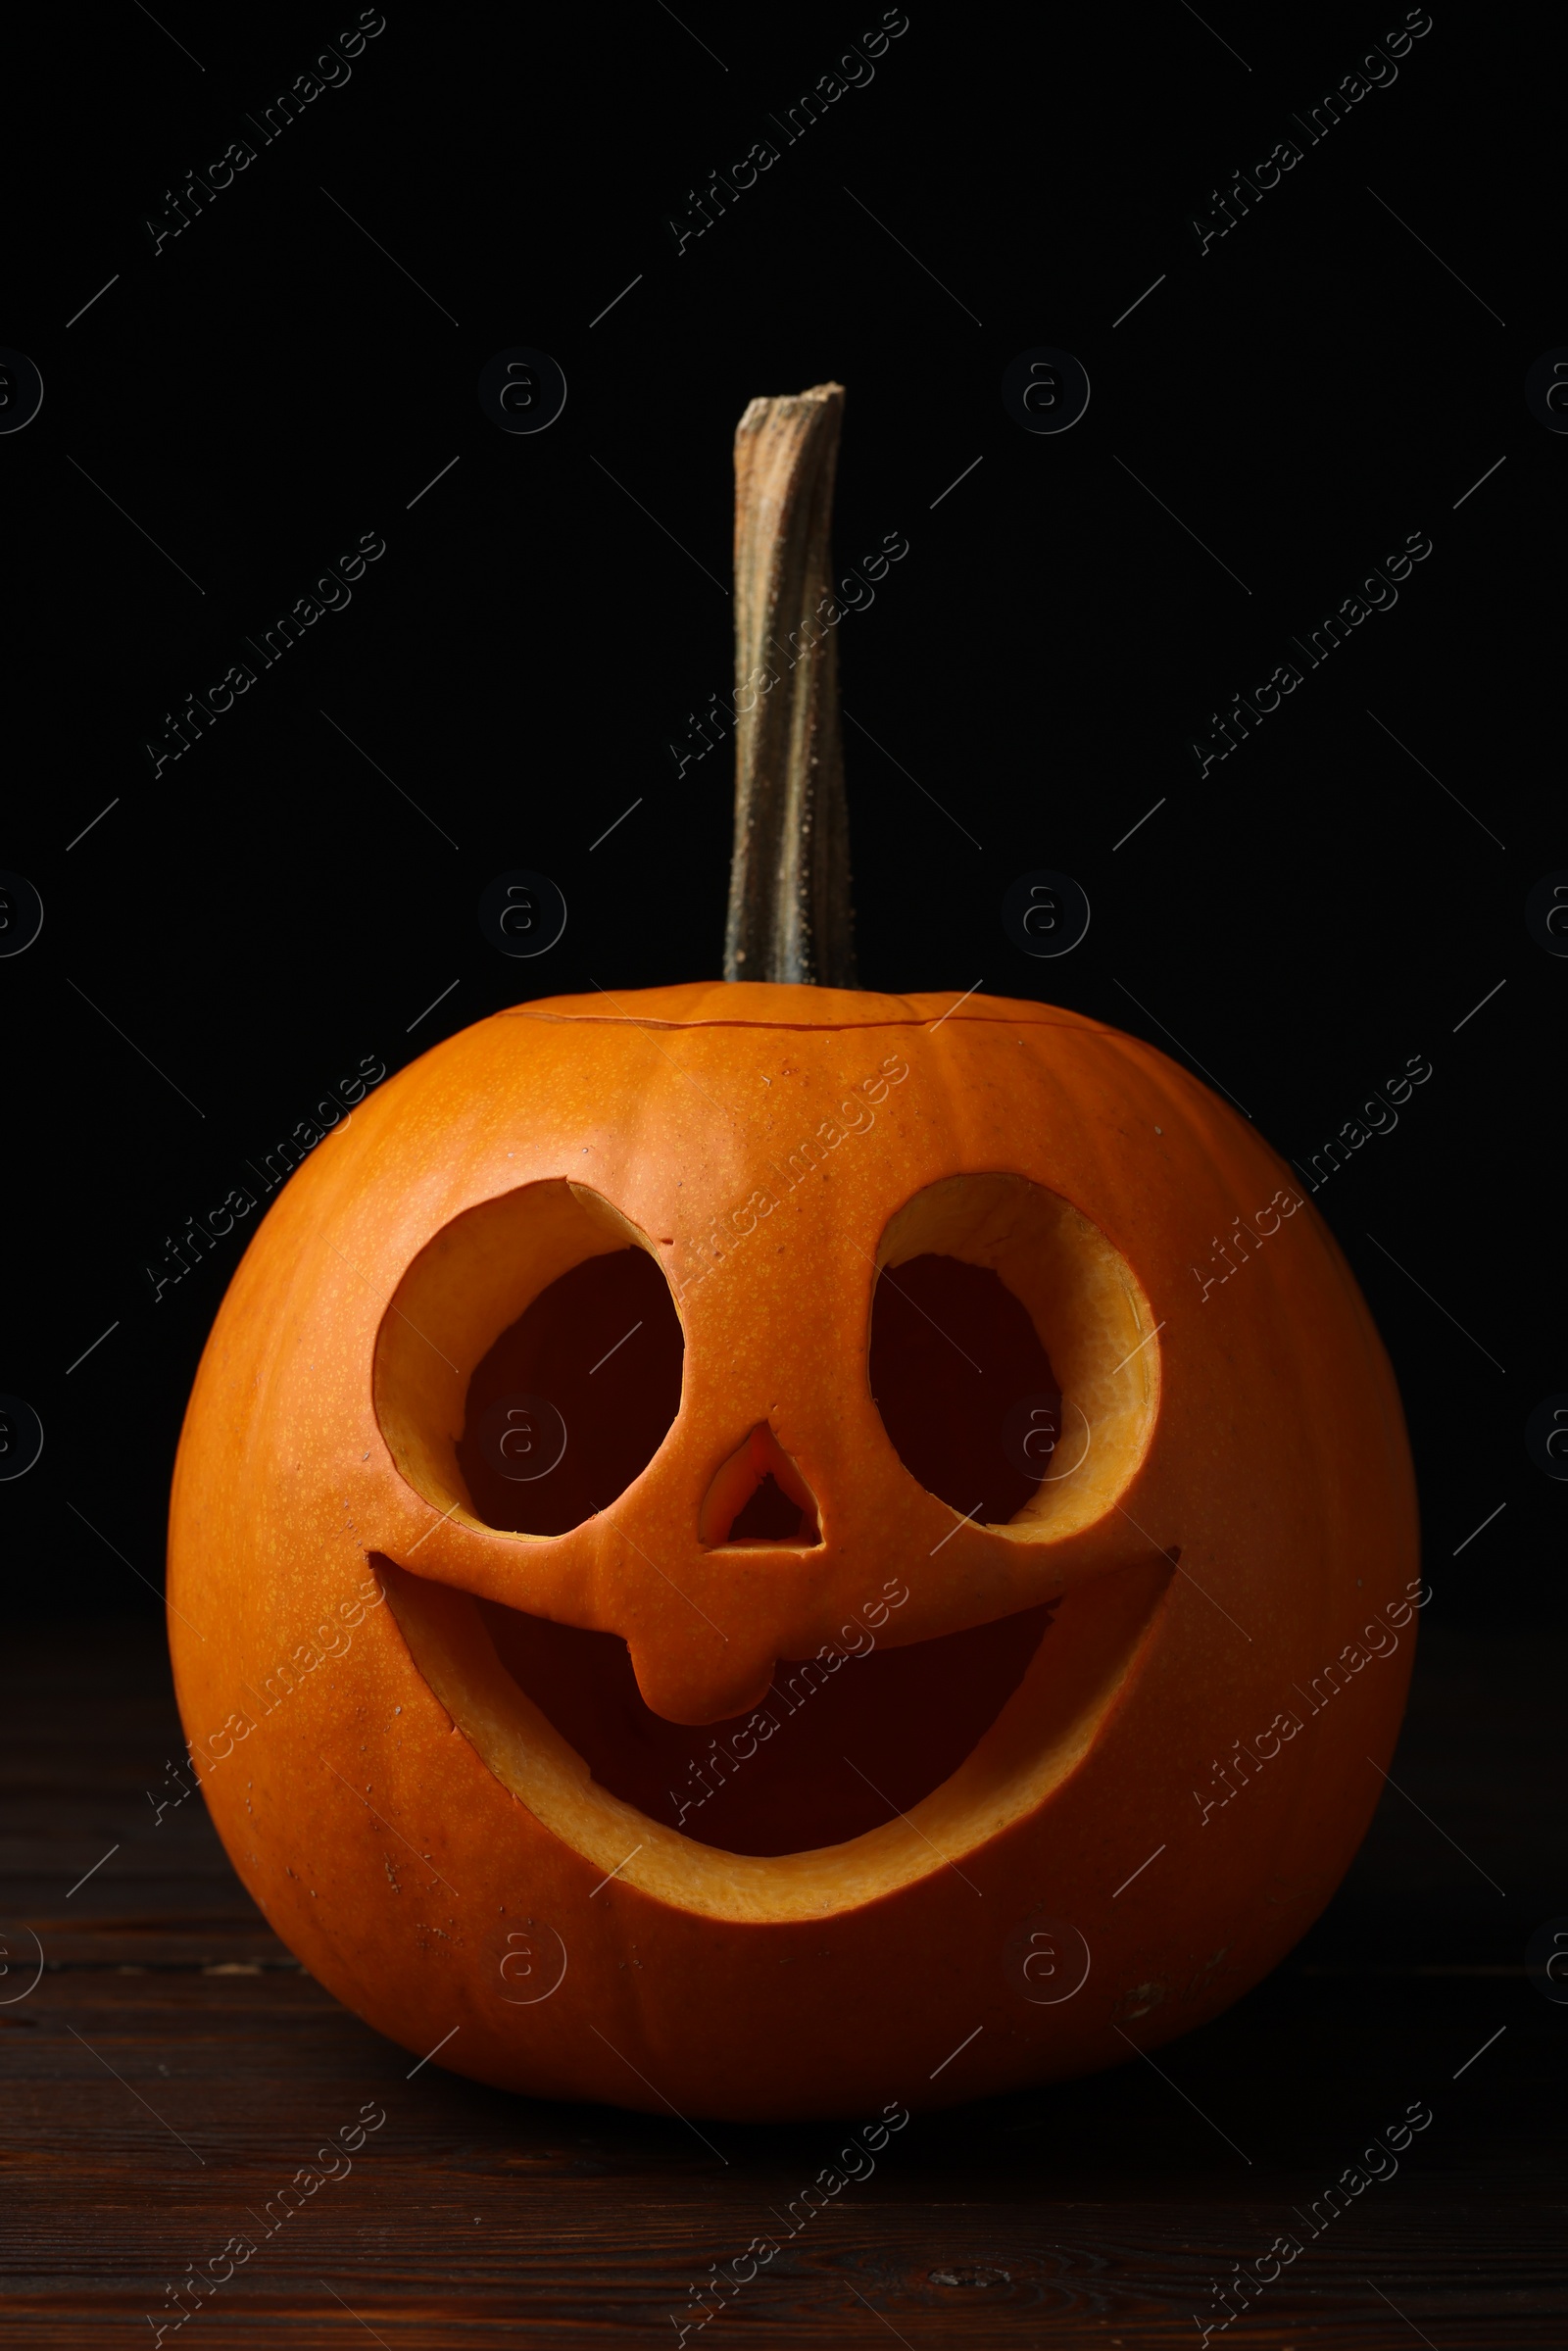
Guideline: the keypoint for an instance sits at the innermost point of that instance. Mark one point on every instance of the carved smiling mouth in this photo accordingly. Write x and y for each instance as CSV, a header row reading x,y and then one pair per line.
x,y
900,1759
833,1750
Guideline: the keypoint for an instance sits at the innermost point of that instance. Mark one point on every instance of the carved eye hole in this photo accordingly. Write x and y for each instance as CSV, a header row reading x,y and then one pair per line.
x,y
529,1365
600,1351
947,1339
1011,1355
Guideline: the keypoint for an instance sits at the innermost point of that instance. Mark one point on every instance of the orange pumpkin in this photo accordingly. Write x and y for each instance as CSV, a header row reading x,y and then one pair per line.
x,y
473,1792
723,1558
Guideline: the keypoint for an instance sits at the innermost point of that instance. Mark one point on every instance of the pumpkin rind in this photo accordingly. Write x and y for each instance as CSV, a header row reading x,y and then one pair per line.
x,y
388,1853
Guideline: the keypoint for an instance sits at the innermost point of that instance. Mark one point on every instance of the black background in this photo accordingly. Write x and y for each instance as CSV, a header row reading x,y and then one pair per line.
x,y
1297,925
269,387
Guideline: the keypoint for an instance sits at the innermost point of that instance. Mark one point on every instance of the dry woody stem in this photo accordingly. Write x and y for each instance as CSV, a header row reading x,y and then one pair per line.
x,y
789,897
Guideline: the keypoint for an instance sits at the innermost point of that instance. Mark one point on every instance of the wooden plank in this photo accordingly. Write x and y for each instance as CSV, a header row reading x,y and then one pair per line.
x,y
174,2067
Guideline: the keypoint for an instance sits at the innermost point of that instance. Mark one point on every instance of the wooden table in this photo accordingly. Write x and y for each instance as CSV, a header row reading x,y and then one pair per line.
x,y
174,2066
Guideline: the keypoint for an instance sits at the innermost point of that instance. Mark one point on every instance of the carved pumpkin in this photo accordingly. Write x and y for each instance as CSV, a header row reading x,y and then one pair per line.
x,y
717,1531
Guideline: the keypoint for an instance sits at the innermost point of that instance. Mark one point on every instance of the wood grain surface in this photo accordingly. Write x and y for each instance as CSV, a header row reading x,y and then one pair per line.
x,y
172,2068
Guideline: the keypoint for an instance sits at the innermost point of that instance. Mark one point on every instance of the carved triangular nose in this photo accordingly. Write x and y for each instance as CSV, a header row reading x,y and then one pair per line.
x,y
735,1513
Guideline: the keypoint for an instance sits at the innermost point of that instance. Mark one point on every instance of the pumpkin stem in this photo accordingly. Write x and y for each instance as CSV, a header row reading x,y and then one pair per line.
x,y
789,887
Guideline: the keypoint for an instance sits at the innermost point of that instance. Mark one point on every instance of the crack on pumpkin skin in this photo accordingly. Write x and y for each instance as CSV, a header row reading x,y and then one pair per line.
x,y
793,1005
907,1020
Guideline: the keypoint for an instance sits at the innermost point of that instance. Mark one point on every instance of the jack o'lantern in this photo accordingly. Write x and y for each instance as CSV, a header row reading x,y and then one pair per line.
x,y
722,1559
